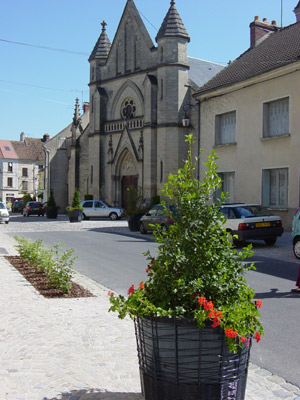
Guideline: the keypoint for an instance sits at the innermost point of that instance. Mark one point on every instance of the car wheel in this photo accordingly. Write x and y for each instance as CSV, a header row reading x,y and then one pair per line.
x,y
85,217
271,241
143,230
113,216
296,247
238,243
6,222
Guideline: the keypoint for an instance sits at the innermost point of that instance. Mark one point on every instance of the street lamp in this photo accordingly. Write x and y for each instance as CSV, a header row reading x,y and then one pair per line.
x,y
186,123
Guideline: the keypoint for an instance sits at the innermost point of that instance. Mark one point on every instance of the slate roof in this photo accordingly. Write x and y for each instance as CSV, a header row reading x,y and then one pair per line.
x,y
172,25
31,149
277,50
202,71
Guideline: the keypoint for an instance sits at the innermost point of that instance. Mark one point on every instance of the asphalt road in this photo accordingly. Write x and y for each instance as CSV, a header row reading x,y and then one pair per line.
x,y
113,257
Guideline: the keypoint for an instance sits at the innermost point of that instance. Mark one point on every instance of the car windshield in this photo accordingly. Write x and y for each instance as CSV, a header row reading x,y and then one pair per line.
x,y
2,205
252,211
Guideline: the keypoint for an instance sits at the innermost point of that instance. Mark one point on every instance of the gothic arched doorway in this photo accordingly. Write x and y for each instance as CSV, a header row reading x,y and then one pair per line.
x,y
128,175
127,182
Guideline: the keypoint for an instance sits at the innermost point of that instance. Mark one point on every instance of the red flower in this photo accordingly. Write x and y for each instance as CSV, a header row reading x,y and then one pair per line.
x,y
201,300
231,333
243,339
142,285
208,305
110,293
215,323
147,270
211,314
257,337
258,303
131,290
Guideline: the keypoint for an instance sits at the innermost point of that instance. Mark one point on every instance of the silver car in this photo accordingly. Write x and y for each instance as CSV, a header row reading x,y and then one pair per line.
x,y
4,214
99,209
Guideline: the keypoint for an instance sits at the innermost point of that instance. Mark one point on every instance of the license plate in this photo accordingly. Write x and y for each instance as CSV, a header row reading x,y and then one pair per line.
x,y
35,209
262,224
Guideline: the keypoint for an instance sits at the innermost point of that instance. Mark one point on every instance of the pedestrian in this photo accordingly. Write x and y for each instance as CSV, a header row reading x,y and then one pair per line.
x,y
297,284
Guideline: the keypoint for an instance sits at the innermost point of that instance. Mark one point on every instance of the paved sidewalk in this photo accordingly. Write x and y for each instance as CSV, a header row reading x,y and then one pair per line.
x,y
73,349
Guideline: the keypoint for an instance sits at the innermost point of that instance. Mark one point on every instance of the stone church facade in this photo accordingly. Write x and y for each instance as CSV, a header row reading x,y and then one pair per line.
x,y
139,94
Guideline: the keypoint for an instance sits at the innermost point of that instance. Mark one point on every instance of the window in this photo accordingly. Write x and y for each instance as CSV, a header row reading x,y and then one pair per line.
x,y
24,185
228,186
88,204
161,89
92,174
7,148
276,118
225,128
9,182
275,188
62,144
10,167
24,171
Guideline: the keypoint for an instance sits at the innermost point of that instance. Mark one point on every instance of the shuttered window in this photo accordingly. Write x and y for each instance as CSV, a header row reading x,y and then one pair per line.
x,y
276,118
226,128
275,187
228,186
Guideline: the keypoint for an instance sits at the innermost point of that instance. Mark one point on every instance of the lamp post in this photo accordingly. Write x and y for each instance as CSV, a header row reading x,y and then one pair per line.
x,y
186,123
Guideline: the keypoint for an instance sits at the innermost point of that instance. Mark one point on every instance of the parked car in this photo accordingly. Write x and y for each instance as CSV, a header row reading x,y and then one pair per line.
x,y
18,205
99,209
33,208
252,222
4,214
155,216
296,233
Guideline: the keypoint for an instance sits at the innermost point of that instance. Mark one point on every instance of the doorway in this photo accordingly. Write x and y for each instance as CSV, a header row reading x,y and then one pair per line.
x,y
127,182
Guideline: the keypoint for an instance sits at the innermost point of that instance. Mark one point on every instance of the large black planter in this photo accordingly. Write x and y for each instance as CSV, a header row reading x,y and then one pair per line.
x,y
51,213
133,222
179,361
75,215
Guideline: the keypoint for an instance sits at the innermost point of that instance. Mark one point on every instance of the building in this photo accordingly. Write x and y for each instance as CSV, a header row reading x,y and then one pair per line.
x,y
132,134
22,166
250,116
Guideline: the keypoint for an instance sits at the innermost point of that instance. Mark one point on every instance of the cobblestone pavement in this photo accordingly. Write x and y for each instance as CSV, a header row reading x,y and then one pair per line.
x,y
73,349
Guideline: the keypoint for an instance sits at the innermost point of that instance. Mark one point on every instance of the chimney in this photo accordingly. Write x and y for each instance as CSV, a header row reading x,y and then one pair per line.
x,y
261,29
22,135
85,107
46,137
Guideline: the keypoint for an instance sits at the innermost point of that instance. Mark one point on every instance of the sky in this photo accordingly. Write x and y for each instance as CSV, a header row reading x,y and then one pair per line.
x,y
41,78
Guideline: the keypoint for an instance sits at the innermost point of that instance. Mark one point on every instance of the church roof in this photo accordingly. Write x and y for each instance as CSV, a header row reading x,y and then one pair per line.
x,y
103,45
277,50
172,24
202,71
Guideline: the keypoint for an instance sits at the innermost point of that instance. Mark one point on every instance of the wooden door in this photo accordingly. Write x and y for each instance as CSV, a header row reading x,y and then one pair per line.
x,y
127,182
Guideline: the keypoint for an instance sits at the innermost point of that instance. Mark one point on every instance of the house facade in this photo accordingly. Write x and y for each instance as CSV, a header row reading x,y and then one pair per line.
x,y
22,165
139,94
250,117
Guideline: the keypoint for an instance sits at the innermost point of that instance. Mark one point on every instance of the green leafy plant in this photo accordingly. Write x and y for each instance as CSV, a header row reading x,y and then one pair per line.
x,y
136,202
197,272
56,263
27,197
75,202
51,203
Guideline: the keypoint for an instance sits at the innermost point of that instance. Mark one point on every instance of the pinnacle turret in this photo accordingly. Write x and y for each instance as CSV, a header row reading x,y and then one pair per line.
x,y
297,11
172,25
103,45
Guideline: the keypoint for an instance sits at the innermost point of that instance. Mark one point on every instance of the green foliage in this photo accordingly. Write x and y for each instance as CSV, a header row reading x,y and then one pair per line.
x,y
27,198
88,197
55,263
75,202
136,202
155,200
51,201
197,272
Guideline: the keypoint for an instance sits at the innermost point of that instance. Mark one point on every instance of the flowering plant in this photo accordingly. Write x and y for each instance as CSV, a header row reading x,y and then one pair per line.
x,y
197,272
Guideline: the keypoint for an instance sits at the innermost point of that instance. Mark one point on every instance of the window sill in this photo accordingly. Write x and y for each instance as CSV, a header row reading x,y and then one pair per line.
x,y
225,144
275,137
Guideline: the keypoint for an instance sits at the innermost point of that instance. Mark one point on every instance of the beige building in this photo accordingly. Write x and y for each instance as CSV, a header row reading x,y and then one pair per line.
x,y
250,117
132,134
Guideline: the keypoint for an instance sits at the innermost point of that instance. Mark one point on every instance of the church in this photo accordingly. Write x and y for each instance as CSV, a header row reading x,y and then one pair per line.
x,y
132,131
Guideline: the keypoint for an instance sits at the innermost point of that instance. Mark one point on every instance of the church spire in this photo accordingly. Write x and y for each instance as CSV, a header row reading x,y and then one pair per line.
x,y
103,45
297,11
172,24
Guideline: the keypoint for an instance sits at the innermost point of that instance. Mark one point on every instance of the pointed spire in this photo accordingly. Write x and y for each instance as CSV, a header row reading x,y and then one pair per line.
x,y
103,45
172,24
76,113
297,11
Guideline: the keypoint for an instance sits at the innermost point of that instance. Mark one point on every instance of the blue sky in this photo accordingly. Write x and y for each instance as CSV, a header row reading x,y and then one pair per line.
x,y
38,87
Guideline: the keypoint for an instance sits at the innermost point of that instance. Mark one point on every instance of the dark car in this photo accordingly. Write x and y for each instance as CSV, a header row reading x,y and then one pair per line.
x,y
33,208
18,205
155,216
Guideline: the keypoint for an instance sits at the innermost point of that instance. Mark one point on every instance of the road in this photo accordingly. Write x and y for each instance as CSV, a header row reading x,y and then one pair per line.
x,y
108,253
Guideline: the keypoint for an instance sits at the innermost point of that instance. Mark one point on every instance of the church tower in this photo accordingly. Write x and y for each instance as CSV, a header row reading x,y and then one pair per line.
x,y
297,11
